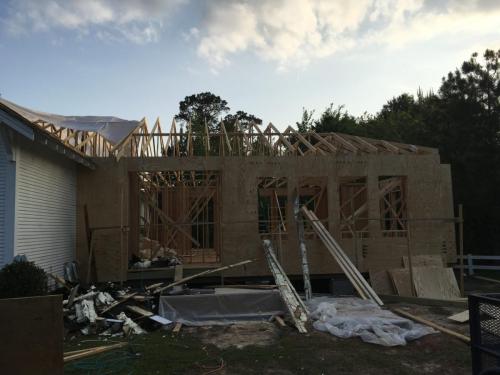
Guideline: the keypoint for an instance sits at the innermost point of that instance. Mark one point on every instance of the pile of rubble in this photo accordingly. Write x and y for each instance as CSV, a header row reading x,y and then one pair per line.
x,y
153,254
110,311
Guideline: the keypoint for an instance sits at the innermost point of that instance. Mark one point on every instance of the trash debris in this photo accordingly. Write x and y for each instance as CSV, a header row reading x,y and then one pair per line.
x,y
351,317
129,326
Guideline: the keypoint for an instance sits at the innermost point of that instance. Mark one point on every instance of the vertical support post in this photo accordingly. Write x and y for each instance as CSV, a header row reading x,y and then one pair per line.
x,y
470,266
121,234
410,265
461,244
303,250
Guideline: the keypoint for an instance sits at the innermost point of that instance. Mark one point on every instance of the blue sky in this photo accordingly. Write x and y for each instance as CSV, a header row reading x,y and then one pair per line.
x,y
271,58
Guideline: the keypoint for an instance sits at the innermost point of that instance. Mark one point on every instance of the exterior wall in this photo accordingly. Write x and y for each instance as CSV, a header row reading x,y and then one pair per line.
x,y
428,195
7,188
45,219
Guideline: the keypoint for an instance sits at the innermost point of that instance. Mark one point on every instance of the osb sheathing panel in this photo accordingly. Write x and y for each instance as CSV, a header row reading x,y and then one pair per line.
x,y
429,196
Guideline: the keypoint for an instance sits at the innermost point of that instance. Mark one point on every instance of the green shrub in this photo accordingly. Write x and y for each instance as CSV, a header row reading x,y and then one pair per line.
x,y
22,279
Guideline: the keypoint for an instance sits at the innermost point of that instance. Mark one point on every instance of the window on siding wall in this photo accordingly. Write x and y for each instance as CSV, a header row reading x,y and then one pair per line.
x,y
272,202
353,197
393,207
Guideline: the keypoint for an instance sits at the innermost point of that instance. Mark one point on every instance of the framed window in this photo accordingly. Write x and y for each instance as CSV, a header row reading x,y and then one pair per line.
x,y
272,202
313,194
393,207
353,202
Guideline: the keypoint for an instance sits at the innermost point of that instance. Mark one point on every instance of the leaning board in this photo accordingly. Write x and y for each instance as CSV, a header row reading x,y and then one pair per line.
x,y
381,282
401,279
435,282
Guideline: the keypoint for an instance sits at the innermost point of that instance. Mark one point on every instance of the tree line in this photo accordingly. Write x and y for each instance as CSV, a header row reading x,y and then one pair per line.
x,y
461,119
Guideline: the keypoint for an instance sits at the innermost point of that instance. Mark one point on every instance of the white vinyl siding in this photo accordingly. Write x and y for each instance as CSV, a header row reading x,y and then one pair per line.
x,y
45,224
3,201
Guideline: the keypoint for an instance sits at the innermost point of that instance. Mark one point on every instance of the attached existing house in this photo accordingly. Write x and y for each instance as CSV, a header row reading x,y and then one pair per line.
x,y
211,198
38,192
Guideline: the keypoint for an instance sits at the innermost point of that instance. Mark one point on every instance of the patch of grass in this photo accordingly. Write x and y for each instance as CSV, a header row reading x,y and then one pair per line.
x,y
292,353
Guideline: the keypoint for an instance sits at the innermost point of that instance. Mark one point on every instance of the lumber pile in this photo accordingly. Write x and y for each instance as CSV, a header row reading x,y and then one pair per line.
x,y
364,290
426,278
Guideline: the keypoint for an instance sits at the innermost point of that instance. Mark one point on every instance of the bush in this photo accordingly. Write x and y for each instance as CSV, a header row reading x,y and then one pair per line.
x,y
22,279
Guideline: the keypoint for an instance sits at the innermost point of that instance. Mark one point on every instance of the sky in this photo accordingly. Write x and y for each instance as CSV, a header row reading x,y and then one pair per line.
x,y
271,58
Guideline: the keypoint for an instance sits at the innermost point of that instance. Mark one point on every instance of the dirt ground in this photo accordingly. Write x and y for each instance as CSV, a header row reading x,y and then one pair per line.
x,y
266,348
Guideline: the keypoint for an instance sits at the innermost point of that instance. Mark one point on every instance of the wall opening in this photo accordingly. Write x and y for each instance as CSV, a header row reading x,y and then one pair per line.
x,y
353,202
178,214
393,206
313,194
272,194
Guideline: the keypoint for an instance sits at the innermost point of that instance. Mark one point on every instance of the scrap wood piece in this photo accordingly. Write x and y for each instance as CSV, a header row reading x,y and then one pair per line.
x,y
140,311
72,295
207,272
177,327
460,317
59,280
294,304
419,319
352,273
435,282
72,356
401,280
381,282
279,320
113,305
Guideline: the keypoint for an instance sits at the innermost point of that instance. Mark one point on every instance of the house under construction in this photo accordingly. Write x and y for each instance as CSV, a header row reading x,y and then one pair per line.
x,y
143,193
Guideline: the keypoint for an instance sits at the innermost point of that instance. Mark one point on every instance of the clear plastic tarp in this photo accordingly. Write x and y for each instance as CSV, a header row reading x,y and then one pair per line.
x,y
113,129
225,306
354,317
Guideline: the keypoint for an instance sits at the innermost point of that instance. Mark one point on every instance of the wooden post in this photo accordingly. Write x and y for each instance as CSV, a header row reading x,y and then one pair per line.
x,y
461,245
410,265
303,250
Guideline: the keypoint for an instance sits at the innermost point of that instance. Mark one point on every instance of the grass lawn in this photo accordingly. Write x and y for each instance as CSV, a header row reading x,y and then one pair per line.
x,y
289,352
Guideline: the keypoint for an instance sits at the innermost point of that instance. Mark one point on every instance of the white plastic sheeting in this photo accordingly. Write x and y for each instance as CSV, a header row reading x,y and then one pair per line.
x,y
226,306
351,317
113,129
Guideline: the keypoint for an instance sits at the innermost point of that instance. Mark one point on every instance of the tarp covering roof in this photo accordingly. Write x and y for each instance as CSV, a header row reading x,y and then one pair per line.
x,y
113,129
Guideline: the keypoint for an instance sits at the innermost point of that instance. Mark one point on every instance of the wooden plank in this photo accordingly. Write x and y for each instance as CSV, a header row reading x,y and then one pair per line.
x,y
177,328
401,280
31,335
207,272
354,276
93,351
460,317
381,282
179,270
457,335
459,303
435,282
112,306
427,260
140,311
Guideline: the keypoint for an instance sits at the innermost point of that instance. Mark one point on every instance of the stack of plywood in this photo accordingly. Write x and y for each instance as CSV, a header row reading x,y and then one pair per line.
x,y
429,279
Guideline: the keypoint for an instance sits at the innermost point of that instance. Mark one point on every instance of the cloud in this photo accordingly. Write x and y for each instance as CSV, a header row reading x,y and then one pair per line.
x,y
292,33
131,20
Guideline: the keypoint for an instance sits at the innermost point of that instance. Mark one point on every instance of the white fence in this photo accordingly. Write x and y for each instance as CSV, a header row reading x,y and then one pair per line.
x,y
470,266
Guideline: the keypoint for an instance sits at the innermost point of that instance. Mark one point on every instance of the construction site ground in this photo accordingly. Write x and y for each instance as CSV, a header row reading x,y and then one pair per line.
x,y
266,348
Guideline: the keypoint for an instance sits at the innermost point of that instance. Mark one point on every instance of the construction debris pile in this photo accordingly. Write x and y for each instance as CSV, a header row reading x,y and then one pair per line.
x,y
153,254
110,311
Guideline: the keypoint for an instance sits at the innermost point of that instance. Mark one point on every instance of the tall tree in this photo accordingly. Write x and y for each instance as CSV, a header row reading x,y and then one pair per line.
x,y
202,108
243,118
